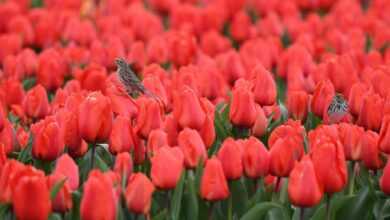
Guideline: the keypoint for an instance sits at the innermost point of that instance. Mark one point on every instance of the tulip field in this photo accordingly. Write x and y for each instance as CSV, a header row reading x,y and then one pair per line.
x,y
194,109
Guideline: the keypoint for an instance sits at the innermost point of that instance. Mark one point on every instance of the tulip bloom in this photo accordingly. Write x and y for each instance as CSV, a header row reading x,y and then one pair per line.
x,y
51,69
139,193
48,139
67,167
304,189
297,104
167,166
149,117
98,200
242,107
356,96
92,78
255,158
35,104
95,118
7,138
214,186
385,179
157,139
330,166
230,155
171,127
121,137
283,155
7,174
30,195
192,146
384,135
261,122
123,165
371,112
350,136
63,200
370,150
265,86
322,97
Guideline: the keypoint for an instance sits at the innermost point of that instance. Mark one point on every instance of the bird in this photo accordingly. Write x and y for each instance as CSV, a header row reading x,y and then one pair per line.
x,y
337,109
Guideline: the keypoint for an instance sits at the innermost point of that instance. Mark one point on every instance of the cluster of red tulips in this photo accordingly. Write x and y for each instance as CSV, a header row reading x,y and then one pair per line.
x,y
255,109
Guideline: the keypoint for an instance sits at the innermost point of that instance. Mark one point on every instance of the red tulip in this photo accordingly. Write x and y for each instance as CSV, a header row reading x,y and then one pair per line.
x,y
14,90
208,130
330,166
304,189
149,117
356,96
192,146
121,137
7,137
283,155
265,86
167,167
261,123
3,157
183,55
7,174
370,150
255,158
51,69
323,95
123,165
95,118
242,108
230,155
214,186
30,188
63,200
384,135
48,139
11,44
297,104
35,104
371,112
156,140
98,201
350,136
139,193
240,26
67,167
92,78
385,179
171,127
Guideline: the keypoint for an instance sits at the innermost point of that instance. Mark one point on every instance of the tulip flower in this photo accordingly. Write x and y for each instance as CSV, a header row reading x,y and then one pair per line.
x,y
214,186
92,78
121,137
283,155
370,150
183,55
30,188
14,90
48,139
371,112
139,193
35,104
95,118
98,201
384,135
7,174
3,157
265,86
192,146
171,127
384,182
261,122
149,117
304,189
255,158
297,104
67,167
51,69
356,96
123,165
63,200
7,138
242,108
230,155
157,139
322,97
167,167
350,136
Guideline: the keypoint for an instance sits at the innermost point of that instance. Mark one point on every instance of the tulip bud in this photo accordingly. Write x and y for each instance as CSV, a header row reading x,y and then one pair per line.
x,y
95,118
67,167
385,179
384,135
98,201
7,137
261,123
330,166
35,104
370,150
92,78
213,186
48,139
171,127
121,137
192,146
123,165
297,104
30,185
350,136
242,107
208,130
7,174
63,200
185,54
322,97
156,140
167,166
139,193
149,117
51,69
15,92
283,155
371,112
265,86
356,96
230,155
255,158
3,157
304,190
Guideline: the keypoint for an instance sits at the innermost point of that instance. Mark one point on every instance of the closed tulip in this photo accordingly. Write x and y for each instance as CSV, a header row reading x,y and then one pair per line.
x,y
92,78
123,165
171,127
63,200
384,181
255,158
7,174
297,104
304,189
323,95
371,112
261,122
384,135
350,136
48,141
265,86
121,137
98,201
15,92
330,166
356,96
67,167
167,166
51,69
208,129
7,138
95,118
230,155
214,186
149,117
35,104
187,109
283,155
139,193
370,150
30,188
3,157
242,108
192,146
156,140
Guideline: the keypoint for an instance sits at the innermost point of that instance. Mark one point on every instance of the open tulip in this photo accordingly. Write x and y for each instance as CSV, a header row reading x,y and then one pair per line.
x,y
139,193
214,186
304,189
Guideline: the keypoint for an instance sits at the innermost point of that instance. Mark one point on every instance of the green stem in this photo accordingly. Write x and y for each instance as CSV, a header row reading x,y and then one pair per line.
x,y
302,214
210,211
230,208
92,165
328,197
352,182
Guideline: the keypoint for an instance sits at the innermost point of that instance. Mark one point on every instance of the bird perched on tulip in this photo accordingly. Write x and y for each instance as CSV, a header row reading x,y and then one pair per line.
x,y
337,109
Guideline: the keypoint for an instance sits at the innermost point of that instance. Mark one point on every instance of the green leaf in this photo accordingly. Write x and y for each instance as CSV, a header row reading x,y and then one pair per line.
x,y
56,188
162,215
192,199
4,210
177,198
55,216
75,211
368,44
29,82
259,210
101,164
337,201
286,39
240,197
25,155
358,207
